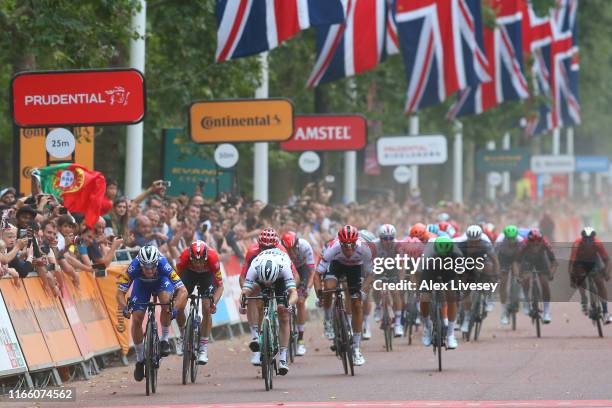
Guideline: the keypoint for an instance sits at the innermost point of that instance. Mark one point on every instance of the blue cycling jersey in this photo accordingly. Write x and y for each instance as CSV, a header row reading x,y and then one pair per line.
x,y
134,272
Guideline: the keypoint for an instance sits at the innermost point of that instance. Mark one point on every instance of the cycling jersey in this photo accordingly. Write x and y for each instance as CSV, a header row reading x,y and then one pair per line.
x,y
280,258
507,249
483,247
211,266
303,254
252,252
379,250
165,272
588,252
533,253
362,255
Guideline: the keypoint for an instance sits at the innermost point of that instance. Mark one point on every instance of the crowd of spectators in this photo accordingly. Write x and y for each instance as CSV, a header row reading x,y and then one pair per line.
x,y
40,235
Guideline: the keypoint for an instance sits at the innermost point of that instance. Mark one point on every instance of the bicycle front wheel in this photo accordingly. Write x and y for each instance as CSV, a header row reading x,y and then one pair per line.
x,y
438,334
195,347
187,343
266,355
349,345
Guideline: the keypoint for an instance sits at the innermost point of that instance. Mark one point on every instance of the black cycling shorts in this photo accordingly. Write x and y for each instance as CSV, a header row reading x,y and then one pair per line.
x,y
352,273
191,279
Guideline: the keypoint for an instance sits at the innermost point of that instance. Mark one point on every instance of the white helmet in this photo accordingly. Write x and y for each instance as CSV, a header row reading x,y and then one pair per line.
x,y
386,230
474,232
268,270
443,217
366,235
148,256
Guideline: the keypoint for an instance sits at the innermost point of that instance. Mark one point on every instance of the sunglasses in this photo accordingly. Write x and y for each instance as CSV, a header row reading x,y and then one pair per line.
x,y
349,246
387,238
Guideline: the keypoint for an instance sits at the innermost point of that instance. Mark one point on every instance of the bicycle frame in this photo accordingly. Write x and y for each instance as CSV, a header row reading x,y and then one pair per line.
x,y
191,343
595,308
343,334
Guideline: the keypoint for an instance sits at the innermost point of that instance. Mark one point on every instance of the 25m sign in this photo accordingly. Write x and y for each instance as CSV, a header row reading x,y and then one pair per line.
x,y
85,97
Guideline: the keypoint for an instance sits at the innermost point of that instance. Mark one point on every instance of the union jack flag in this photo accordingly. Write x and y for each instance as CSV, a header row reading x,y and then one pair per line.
x,y
442,46
248,27
567,104
357,45
503,46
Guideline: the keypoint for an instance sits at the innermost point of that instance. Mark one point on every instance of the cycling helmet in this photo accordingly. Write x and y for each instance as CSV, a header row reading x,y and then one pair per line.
x,y
413,247
268,271
289,240
535,235
588,233
198,251
510,231
489,226
433,228
386,231
148,256
348,235
443,217
443,246
268,238
366,235
418,230
473,233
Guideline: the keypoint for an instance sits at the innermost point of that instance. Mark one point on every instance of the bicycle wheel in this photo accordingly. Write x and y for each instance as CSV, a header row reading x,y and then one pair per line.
x,y
410,334
385,327
535,306
349,345
266,357
149,358
595,312
342,336
187,344
195,347
438,334
478,324
292,338
156,359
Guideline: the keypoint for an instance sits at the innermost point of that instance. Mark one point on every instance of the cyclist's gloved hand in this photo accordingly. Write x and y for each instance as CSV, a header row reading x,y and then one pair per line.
x,y
318,303
363,295
126,312
173,313
213,307
291,308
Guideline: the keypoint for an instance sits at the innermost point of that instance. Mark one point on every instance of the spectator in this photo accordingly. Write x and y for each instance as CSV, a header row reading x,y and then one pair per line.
x,y
142,234
119,218
7,196
112,188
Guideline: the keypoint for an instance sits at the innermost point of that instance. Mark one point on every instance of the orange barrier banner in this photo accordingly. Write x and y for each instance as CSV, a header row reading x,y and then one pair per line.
x,y
12,360
108,290
76,324
93,313
26,326
53,323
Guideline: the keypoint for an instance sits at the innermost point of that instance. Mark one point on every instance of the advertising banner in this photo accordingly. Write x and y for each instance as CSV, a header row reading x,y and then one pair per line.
x,y
12,360
408,150
553,164
512,160
108,290
592,164
26,326
327,132
53,323
83,97
241,120
76,324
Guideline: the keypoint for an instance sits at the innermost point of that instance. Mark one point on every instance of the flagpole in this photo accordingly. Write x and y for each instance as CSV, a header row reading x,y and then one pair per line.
x,y
506,179
458,163
260,162
134,143
350,158
414,169
490,188
570,151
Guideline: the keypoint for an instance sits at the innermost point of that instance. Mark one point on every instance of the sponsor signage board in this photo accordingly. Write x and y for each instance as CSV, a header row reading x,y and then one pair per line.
x,y
309,162
513,160
553,164
408,150
248,120
83,97
327,132
592,164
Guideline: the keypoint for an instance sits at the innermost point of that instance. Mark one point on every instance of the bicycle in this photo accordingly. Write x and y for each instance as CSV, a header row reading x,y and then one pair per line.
x,y
478,311
596,313
343,334
268,336
191,342
410,313
152,348
535,302
386,324
513,300
293,336
438,328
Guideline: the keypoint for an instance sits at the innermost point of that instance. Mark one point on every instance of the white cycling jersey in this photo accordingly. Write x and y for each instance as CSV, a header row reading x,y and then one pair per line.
x,y
361,256
507,247
383,251
277,256
304,254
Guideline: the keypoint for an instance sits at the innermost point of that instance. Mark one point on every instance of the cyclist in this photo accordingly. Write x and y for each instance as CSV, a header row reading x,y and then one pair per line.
x,y
507,249
151,274
267,239
444,248
345,258
537,253
446,229
374,295
387,247
273,268
489,230
419,230
302,256
199,265
475,244
589,256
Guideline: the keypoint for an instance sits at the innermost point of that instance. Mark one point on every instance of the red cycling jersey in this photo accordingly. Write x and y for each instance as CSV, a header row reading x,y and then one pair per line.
x,y
253,251
587,252
211,265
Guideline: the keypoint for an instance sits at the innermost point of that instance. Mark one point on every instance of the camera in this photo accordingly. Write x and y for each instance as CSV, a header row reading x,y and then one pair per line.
x,y
99,270
63,211
166,183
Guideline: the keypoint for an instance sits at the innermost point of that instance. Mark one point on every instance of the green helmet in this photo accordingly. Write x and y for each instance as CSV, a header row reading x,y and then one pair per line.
x,y
443,246
510,231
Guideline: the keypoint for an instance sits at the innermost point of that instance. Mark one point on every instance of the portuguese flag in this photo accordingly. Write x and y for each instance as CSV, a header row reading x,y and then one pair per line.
x,y
82,191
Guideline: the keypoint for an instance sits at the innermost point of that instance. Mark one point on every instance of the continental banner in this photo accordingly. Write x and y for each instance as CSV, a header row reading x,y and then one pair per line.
x,y
26,326
93,313
12,360
76,324
108,290
53,323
